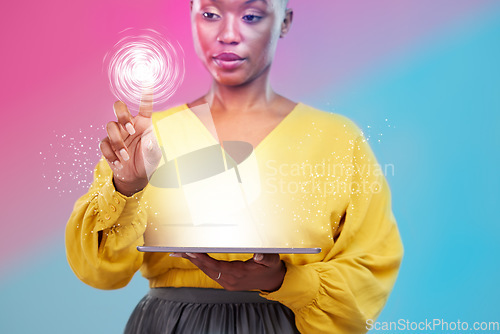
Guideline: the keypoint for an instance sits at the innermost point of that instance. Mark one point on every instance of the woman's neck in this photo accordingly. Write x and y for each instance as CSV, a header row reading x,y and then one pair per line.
x,y
256,95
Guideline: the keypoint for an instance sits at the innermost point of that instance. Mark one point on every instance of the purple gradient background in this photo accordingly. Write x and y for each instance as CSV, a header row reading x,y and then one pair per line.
x,y
52,81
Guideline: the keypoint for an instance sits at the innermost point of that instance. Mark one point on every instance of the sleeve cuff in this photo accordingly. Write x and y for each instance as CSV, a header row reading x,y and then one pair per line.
x,y
299,289
113,205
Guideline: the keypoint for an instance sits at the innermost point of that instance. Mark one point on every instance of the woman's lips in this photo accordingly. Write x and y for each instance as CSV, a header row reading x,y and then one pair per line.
x,y
228,60
228,56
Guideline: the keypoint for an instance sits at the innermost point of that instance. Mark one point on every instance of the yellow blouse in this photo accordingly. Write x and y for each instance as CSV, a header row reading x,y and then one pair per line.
x,y
326,187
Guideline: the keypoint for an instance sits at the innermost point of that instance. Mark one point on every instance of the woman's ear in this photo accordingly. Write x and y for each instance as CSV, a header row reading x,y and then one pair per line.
x,y
287,22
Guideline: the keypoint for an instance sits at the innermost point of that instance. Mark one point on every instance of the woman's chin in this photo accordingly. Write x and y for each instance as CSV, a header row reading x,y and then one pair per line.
x,y
232,80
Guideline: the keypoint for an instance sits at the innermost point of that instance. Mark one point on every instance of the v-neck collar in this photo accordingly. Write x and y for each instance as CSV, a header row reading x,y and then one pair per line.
x,y
272,133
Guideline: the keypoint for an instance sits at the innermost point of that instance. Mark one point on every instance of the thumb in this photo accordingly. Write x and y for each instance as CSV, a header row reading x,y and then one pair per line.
x,y
267,260
151,152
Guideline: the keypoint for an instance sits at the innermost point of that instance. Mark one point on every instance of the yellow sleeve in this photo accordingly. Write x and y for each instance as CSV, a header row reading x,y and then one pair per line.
x,y
353,282
103,231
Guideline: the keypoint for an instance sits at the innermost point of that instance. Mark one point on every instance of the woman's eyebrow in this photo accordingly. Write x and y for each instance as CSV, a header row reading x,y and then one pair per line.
x,y
251,1
247,2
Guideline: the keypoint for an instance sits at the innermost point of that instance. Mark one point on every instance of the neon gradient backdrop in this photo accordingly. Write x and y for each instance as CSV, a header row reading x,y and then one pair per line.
x,y
422,78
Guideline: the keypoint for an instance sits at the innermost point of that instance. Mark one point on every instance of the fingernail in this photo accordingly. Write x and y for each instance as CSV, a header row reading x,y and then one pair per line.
x,y
118,164
150,145
124,154
191,255
175,255
130,128
258,257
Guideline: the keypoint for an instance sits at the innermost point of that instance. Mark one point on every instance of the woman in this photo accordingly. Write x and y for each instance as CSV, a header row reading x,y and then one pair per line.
x,y
347,209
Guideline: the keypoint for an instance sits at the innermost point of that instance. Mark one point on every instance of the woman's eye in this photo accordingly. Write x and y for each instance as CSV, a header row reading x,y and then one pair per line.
x,y
210,16
251,18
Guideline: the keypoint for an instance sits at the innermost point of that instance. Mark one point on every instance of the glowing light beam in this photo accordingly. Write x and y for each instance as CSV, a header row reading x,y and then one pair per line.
x,y
144,59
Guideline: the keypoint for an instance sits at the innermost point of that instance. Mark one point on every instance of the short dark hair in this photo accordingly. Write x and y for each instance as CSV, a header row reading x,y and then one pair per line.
x,y
285,2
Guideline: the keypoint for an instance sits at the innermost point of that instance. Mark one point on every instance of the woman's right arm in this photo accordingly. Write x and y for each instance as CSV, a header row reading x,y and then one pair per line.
x,y
103,232
108,223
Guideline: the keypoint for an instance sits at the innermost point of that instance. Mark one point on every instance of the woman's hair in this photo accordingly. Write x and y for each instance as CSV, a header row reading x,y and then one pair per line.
x,y
285,2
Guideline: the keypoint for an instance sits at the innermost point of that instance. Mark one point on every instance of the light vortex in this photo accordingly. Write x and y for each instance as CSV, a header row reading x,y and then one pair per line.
x,y
144,60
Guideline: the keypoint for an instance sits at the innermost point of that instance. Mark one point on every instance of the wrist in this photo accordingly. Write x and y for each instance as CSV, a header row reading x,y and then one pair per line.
x,y
129,188
277,280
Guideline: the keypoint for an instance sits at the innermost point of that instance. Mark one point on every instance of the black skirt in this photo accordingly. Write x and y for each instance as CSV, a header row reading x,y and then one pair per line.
x,y
209,311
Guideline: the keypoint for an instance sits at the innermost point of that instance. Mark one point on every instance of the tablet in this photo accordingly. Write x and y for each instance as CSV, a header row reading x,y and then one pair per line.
x,y
243,250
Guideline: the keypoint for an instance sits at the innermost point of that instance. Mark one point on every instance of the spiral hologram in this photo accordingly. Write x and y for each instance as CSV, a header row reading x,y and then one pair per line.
x,y
144,59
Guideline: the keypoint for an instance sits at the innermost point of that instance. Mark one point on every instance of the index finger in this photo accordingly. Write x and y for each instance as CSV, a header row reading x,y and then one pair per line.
x,y
267,260
146,106
204,261
124,117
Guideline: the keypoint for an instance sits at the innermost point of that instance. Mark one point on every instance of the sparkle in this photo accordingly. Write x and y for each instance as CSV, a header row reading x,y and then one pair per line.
x,y
67,166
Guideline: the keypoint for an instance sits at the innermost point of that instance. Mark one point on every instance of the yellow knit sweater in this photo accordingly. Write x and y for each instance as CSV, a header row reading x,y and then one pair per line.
x,y
322,185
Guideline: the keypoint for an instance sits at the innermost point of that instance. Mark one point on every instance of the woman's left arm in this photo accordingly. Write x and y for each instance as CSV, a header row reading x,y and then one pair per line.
x,y
352,284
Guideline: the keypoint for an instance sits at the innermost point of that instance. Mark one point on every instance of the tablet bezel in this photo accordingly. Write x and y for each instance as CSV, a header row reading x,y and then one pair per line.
x,y
242,250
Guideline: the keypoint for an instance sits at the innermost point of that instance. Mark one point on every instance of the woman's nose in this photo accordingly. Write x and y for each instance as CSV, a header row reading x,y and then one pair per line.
x,y
229,32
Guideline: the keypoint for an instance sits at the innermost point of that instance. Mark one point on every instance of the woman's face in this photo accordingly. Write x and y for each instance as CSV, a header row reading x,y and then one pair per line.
x,y
236,39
